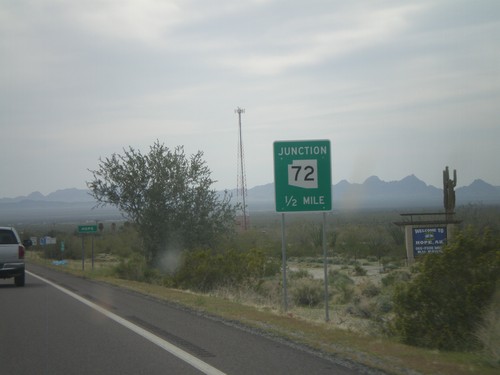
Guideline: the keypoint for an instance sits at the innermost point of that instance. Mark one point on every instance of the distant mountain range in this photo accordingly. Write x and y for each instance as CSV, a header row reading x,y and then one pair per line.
x,y
408,193
66,195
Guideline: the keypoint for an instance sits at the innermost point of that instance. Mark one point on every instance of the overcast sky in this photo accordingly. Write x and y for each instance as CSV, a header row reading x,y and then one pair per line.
x,y
398,87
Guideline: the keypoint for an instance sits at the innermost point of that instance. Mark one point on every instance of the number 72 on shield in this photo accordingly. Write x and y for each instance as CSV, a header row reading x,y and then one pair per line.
x,y
303,174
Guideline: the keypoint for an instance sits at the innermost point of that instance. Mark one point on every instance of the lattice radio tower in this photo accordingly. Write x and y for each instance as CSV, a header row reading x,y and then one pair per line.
x,y
241,186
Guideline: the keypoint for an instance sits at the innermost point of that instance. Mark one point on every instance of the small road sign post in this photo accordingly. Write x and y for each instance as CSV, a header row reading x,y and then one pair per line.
x,y
87,229
303,183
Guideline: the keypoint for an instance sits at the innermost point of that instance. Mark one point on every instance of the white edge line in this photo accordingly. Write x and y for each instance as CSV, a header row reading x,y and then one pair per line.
x,y
165,345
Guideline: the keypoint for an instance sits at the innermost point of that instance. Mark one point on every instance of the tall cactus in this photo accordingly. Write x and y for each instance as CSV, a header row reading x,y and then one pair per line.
x,y
449,190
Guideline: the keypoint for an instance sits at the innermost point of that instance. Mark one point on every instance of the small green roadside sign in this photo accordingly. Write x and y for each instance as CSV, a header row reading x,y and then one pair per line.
x,y
302,175
87,228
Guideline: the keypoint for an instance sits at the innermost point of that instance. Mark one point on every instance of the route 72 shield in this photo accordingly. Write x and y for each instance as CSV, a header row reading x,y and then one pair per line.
x,y
302,175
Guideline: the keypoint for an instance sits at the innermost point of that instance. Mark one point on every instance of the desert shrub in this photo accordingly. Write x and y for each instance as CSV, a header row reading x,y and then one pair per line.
x,y
361,308
136,268
257,265
133,268
369,289
395,277
488,330
307,292
299,274
441,306
384,304
205,270
270,291
359,270
199,271
342,284
338,277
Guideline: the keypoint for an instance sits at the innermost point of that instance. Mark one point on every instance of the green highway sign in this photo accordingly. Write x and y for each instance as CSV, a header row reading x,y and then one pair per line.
x,y
302,175
87,228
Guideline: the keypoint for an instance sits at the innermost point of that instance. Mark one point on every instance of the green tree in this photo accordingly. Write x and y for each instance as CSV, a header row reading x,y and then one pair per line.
x,y
167,195
442,306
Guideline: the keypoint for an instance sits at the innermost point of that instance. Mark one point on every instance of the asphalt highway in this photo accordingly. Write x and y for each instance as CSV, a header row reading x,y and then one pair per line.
x,y
61,324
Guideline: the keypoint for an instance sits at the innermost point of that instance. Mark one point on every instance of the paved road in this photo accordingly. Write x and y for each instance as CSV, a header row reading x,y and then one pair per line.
x,y
69,325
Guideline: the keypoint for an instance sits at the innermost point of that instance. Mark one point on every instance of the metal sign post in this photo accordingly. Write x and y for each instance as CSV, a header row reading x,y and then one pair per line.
x,y
325,268
283,260
87,229
303,183
83,252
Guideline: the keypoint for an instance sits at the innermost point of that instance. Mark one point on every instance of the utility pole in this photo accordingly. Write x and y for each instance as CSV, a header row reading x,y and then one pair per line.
x,y
241,183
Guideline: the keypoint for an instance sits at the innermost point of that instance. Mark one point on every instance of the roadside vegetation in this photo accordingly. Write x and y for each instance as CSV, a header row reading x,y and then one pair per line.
x,y
444,308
